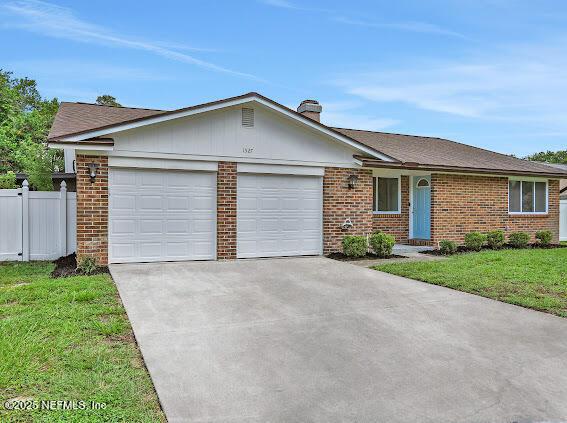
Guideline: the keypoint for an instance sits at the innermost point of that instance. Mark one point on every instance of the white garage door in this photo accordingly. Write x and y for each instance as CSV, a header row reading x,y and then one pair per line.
x,y
279,215
159,215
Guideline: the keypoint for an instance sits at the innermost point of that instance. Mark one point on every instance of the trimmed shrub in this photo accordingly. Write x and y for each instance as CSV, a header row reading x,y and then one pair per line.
x,y
519,239
8,180
382,244
87,265
355,246
447,247
475,240
544,237
495,239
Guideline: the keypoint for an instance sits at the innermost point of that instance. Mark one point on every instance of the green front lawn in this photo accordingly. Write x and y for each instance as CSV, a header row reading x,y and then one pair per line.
x,y
69,339
530,278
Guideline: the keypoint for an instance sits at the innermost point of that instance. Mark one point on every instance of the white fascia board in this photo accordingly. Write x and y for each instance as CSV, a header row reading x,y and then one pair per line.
x,y
81,146
157,119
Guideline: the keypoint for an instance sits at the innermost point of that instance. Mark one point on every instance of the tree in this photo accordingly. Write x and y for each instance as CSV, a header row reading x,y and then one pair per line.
x,y
25,119
107,100
550,157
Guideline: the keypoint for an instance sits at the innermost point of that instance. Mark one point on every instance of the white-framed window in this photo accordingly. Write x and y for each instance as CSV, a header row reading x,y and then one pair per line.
x,y
527,196
386,195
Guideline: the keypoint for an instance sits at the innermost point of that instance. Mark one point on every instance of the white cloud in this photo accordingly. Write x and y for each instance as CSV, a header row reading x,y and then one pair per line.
x,y
516,84
60,22
344,114
80,70
279,3
410,26
420,27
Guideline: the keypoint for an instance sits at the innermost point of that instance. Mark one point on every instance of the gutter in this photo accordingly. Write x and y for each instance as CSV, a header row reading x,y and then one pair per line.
x,y
366,162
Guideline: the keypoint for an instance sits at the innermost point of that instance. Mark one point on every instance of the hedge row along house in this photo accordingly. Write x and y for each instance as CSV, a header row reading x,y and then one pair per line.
x,y
248,177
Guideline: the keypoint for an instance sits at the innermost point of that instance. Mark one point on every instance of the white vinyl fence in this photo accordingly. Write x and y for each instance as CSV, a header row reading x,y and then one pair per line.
x,y
37,225
563,220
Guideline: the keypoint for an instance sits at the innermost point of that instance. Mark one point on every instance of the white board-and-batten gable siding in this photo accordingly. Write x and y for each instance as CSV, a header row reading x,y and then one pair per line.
x,y
220,135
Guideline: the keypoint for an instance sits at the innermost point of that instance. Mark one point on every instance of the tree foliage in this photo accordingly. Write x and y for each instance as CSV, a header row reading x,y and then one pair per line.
x,y
25,119
107,100
550,157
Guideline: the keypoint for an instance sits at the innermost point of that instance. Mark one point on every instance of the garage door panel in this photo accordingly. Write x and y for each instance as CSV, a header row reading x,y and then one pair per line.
x,y
124,179
124,202
279,215
125,250
150,227
177,226
149,203
203,226
123,226
160,215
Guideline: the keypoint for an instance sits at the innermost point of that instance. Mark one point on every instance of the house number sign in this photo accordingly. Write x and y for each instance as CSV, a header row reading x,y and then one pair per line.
x,y
247,150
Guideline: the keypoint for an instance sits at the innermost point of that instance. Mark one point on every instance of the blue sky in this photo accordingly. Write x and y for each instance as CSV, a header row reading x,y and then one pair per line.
x,y
486,72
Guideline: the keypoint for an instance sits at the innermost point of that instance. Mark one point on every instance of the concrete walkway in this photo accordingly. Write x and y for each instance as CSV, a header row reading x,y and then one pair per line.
x,y
317,340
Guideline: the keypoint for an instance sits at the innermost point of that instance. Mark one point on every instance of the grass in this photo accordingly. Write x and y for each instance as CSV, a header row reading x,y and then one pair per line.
x,y
535,278
69,339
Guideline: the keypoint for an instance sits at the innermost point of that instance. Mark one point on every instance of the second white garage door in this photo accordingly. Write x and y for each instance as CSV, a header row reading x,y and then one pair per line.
x,y
279,215
161,215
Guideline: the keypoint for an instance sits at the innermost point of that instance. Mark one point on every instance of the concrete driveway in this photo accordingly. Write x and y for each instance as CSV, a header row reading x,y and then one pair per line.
x,y
312,339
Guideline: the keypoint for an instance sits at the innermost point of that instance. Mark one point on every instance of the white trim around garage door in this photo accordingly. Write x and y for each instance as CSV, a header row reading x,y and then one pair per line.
x,y
165,164
280,169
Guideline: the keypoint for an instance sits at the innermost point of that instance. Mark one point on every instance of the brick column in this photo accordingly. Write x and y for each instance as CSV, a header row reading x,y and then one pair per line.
x,y
92,210
340,203
226,210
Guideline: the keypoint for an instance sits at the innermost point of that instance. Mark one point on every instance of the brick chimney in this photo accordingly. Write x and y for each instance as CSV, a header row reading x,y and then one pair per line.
x,y
311,109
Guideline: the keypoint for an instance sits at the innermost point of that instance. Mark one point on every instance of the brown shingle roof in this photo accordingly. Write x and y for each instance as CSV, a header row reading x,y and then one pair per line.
x,y
74,118
439,152
77,117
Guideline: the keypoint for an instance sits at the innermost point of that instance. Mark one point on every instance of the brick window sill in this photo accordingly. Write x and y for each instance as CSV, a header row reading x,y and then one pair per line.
x,y
386,215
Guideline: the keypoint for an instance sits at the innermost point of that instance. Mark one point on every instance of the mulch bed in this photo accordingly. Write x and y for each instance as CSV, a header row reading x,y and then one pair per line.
x,y
463,249
67,266
368,256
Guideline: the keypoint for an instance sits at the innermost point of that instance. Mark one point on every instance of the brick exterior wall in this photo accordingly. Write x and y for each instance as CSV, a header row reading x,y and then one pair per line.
x,y
226,210
340,203
396,224
92,210
461,204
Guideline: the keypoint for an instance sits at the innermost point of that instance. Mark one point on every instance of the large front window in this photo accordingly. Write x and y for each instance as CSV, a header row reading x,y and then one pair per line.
x,y
527,197
386,195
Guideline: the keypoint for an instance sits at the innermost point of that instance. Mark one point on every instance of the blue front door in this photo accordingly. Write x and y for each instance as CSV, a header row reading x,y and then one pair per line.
x,y
421,207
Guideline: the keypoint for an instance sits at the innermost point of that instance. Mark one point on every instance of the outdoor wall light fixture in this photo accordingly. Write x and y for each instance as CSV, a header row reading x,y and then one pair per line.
x,y
352,180
92,171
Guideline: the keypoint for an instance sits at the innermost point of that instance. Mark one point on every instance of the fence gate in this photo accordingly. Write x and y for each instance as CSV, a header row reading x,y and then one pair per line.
x,y
37,225
11,224
563,220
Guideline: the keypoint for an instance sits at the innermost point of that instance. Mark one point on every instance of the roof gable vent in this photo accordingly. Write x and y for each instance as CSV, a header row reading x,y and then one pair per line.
x,y
247,117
